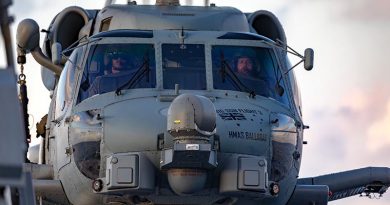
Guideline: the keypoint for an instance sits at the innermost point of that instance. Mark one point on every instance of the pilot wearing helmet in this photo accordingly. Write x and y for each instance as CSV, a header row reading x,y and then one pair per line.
x,y
119,62
250,73
115,76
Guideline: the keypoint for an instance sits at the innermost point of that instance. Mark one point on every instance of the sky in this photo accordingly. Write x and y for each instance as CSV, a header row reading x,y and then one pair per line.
x,y
346,97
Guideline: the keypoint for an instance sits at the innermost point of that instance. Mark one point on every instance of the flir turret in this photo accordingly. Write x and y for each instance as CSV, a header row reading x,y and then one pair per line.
x,y
191,124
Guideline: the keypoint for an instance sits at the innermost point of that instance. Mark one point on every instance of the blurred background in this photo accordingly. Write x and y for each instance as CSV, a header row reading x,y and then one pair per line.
x,y
346,98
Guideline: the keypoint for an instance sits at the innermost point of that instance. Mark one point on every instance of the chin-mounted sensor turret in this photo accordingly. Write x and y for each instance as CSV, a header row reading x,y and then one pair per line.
x,y
191,126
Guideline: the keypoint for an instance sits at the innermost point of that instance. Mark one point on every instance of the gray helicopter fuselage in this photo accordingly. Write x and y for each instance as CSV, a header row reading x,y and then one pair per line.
x,y
89,131
168,105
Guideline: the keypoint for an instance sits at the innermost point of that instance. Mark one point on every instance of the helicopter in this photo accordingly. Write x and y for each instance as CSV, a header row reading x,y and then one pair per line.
x,y
179,124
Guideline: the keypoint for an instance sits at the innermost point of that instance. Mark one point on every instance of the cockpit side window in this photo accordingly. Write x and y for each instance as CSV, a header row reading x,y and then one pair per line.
x,y
66,83
113,66
247,69
184,65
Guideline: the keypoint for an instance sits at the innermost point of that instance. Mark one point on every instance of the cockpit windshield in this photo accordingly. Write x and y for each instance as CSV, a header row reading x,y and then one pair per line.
x,y
121,66
247,69
184,65
111,67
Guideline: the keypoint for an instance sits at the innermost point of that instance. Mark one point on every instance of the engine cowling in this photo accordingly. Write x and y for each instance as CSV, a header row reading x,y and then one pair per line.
x,y
267,24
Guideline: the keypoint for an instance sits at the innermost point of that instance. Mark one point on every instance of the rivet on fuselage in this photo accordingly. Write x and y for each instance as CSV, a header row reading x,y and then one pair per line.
x,y
114,160
261,163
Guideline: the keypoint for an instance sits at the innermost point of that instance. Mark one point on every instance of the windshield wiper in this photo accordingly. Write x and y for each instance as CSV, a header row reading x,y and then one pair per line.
x,y
226,70
138,75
